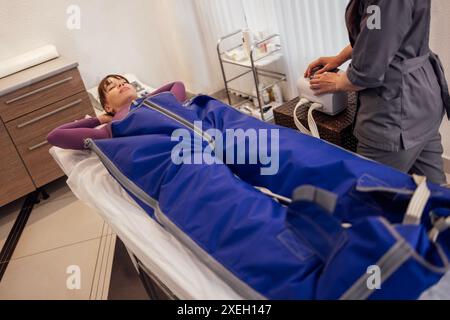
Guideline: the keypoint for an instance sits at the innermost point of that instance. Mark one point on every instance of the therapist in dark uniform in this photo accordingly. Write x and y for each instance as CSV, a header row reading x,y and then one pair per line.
x,y
402,91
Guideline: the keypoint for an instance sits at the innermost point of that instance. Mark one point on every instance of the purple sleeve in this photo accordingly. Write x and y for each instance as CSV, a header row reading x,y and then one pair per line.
x,y
176,88
72,135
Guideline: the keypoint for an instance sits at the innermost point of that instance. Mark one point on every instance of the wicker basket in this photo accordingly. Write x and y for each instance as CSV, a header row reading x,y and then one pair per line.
x,y
335,129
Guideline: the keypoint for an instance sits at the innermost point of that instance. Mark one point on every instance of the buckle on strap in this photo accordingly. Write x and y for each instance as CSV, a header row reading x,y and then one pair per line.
x,y
440,224
325,199
418,201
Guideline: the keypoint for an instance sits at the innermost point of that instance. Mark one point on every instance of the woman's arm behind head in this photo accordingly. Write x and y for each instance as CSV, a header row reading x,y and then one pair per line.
x,y
176,88
72,135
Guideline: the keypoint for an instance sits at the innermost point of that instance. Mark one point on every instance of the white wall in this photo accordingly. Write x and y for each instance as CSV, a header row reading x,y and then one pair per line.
x,y
101,46
440,43
295,20
154,39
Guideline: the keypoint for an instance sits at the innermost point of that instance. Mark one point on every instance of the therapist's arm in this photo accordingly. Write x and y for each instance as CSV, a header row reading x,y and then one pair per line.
x,y
375,49
345,54
344,84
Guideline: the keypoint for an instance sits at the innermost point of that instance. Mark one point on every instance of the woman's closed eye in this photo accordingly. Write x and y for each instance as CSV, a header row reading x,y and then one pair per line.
x,y
114,85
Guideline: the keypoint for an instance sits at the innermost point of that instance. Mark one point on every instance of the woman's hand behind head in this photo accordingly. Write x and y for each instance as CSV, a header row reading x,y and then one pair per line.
x,y
104,118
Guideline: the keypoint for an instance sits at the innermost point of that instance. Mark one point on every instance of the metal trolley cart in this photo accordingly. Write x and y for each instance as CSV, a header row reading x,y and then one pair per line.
x,y
255,65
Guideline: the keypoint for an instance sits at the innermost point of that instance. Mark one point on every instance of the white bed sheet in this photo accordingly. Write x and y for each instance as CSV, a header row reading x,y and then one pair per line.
x,y
175,265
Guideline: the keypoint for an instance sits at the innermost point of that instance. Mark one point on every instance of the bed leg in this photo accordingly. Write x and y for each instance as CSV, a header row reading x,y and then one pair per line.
x,y
44,194
133,259
41,194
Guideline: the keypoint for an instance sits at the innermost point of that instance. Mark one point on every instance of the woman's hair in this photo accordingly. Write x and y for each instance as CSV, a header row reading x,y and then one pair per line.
x,y
104,84
353,17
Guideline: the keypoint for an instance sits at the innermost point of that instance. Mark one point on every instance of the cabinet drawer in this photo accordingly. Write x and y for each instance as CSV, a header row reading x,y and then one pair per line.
x,y
30,135
40,94
14,179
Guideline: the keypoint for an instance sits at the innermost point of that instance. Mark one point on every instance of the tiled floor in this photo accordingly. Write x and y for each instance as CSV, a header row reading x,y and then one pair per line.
x,y
61,233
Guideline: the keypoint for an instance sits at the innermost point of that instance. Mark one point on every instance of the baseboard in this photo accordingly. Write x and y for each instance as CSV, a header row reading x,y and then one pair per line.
x,y
103,266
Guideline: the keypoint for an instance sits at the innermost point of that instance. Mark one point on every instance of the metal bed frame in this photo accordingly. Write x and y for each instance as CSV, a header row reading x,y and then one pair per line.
x,y
155,288
252,68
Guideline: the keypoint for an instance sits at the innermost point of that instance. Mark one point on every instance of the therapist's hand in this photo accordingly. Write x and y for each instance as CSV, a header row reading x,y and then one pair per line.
x,y
324,64
325,83
331,82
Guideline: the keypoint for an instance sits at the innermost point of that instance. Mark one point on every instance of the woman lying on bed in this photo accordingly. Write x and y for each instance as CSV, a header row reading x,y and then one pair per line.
x,y
116,96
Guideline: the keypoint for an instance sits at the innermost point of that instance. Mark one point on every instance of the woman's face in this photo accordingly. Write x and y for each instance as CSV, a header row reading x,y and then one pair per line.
x,y
119,94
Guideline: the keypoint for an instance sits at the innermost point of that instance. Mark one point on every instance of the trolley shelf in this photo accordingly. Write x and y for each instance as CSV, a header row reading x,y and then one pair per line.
x,y
254,64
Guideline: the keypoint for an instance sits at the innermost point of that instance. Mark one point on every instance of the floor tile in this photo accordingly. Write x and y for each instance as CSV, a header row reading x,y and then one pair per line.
x,y
57,222
45,276
52,226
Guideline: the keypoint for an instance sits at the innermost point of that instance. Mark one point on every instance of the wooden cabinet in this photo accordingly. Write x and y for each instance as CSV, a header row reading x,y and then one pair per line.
x,y
40,94
14,179
32,103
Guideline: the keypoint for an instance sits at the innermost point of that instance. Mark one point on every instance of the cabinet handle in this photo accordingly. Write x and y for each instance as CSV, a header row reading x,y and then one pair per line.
x,y
57,83
67,106
36,146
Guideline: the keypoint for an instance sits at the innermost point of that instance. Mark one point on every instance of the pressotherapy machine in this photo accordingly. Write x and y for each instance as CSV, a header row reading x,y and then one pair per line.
x,y
331,104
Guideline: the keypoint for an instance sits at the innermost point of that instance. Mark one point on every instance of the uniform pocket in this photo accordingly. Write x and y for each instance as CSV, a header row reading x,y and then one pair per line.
x,y
378,121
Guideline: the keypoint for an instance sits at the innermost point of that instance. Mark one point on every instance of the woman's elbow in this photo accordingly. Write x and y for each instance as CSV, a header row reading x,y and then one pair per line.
x,y
179,90
52,137
56,139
